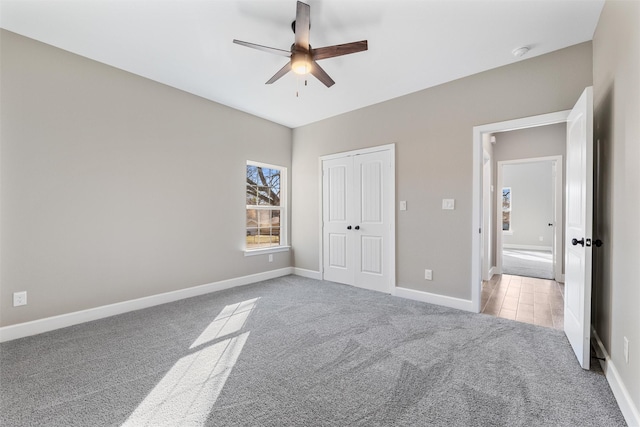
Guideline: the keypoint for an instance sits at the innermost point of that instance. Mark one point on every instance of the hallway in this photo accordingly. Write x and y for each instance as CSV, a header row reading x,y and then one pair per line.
x,y
524,299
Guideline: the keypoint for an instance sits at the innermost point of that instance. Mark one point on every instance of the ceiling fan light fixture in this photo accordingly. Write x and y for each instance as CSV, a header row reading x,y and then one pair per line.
x,y
301,63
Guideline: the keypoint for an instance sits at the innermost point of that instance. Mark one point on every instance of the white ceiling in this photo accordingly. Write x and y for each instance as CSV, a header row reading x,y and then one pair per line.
x,y
413,45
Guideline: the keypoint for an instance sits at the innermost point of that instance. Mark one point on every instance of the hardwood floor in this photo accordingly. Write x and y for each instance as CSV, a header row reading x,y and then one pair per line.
x,y
524,299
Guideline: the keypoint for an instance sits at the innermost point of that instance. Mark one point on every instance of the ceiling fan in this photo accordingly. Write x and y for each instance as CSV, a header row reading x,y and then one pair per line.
x,y
302,56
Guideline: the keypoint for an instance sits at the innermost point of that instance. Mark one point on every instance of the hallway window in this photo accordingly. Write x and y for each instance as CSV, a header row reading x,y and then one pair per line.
x,y
506,209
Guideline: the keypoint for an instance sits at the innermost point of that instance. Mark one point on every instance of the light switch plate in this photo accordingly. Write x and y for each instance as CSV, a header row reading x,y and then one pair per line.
x,y
448,204
403,205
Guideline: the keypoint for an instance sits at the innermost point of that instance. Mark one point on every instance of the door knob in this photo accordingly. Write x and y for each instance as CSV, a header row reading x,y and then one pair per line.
x,y
575,242
357,227
550,224
348,227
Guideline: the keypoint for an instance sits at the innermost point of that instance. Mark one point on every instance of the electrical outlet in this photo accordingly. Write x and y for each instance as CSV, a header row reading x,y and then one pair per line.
x,y
270,257
541,238
626,349
448,204
19,298
428,274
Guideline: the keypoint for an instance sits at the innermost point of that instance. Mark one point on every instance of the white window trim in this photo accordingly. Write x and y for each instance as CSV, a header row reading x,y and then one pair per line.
x,y
263,251
284,207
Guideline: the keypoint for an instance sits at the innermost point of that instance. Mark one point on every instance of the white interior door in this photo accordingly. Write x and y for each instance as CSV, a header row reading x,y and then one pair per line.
x,y
579,218
357,220
372,225
337,231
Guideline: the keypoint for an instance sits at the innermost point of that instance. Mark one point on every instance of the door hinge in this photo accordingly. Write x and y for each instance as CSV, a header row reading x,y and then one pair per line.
x,y
479,230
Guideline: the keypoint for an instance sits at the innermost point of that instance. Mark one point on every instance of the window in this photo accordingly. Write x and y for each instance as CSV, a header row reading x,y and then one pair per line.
x,y
266,206
506,209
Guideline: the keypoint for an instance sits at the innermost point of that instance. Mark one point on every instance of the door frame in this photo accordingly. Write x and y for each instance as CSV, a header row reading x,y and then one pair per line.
x,y
477,209
557,211
390,205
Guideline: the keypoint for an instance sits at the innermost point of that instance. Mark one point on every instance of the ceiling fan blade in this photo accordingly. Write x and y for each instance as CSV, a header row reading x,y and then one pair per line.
x,y
302,26
339,50
321,74
264,48
284,70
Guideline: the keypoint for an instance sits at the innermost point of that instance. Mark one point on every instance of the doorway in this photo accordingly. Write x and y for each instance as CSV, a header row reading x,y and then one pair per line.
x,y
529,217
481,135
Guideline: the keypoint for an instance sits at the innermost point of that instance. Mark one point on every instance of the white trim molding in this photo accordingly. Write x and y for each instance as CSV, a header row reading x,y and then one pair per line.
x,y
39,326
303,272
443,300
623,397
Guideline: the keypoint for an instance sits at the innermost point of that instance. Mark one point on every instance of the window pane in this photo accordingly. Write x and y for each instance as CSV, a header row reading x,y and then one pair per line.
x,y
251,195
252,173
263,195
252,218
264,219
506,198
275,218
275,235
506,221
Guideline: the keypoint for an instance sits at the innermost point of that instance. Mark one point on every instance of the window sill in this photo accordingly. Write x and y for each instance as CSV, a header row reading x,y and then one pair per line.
x,y
254,252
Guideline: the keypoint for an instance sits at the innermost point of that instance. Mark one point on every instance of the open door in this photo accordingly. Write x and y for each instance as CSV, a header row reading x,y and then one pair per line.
x,y
579,219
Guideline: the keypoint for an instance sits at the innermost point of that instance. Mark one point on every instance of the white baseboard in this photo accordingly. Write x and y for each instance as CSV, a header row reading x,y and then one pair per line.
x,y
303,272
460,304
527,247
620,392
39,326
493,271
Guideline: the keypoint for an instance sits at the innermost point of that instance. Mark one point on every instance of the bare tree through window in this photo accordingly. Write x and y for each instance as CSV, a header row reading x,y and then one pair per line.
x,y
264,206
506,209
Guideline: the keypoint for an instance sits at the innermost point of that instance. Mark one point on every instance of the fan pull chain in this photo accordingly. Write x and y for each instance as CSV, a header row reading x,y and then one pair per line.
x,y
298,85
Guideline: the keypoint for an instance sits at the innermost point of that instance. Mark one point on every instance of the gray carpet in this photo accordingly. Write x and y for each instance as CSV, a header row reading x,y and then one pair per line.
x,y
300,352
528,263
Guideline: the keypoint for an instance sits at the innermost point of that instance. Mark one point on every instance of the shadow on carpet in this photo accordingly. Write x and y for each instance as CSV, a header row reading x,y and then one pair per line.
x,y
299,352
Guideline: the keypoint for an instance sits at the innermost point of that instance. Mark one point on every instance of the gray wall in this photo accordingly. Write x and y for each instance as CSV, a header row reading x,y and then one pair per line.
x,y
616,288
532,204
115,187
432,130
540,141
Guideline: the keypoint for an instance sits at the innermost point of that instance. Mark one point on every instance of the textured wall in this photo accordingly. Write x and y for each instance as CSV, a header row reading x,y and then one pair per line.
x,y
432,130
115,187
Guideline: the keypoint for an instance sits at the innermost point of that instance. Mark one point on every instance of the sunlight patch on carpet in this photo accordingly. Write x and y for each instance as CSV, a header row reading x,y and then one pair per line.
x,y
186,394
